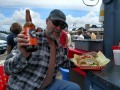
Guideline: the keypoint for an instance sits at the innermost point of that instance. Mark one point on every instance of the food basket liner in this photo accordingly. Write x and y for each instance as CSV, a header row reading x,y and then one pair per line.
x,y
88,67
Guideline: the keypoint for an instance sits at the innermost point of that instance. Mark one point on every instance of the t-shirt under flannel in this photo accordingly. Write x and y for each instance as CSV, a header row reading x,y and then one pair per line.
x,y
11,40
29,75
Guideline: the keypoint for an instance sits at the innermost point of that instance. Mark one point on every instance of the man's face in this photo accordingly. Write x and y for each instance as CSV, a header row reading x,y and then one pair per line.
x,y
54,28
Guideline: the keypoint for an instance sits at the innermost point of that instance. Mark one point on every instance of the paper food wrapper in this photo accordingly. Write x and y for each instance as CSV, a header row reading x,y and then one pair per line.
x,y
101,59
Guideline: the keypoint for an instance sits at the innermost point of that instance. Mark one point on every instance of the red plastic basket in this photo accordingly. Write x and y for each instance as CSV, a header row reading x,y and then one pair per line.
x,y
3,78
115,47
91,67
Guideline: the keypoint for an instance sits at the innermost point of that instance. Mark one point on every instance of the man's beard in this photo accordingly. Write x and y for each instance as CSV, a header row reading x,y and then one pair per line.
x,y
51,36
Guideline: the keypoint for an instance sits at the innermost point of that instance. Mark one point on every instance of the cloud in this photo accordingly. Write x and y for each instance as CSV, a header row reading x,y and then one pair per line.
x,y
62,4
77,22
19,14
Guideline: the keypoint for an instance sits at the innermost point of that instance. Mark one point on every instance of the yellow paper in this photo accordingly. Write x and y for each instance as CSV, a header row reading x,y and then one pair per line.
x,y
101,59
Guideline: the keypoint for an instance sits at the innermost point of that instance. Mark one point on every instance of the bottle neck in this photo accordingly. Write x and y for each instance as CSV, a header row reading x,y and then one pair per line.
x,y
28,16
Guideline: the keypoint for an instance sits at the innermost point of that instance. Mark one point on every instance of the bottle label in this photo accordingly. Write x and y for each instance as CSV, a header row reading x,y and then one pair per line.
x,y
32,33
32,37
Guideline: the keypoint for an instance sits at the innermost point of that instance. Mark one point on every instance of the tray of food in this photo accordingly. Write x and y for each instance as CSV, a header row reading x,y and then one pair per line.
x,y
90,61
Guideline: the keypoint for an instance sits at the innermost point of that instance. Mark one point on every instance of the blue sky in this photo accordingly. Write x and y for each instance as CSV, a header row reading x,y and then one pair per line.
x,y
76,12
45,12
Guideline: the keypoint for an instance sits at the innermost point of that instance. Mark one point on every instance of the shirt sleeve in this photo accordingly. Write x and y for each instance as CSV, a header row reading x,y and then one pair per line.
x,y
9,40
65,63
15,62
80,37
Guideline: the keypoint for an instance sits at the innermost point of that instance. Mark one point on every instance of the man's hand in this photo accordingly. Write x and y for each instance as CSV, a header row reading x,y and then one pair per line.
x,y
22,42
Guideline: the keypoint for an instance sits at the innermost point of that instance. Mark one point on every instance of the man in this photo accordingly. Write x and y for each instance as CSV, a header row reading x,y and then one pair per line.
x,y
37,70
69,44
15,29
39,30
86,35
80,35
92,34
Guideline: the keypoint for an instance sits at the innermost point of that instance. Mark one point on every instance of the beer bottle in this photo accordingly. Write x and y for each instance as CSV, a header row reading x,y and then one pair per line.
x,y
29,29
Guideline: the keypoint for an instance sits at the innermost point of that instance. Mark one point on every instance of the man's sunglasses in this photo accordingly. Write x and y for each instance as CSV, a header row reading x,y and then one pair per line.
x,y
59,23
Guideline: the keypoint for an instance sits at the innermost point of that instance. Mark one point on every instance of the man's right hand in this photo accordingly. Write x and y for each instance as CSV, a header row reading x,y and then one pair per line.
x,y
22,42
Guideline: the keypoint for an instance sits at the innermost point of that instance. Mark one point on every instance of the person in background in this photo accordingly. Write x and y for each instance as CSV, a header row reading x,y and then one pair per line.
x,y
39,30
92,35
86,35
64,40
15,29
69,39
80,35
37,70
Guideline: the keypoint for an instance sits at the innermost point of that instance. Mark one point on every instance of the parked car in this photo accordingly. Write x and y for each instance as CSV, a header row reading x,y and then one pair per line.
x,y
3,46
3,36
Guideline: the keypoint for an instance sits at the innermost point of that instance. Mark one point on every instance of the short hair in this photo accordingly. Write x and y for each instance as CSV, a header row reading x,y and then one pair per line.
x,y
80,32
38,29
16,28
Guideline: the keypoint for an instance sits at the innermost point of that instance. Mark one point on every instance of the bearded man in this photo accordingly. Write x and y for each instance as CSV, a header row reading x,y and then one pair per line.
x,y
37,70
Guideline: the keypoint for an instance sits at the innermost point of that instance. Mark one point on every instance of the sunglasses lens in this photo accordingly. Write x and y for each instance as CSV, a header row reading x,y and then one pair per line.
x,y
63,26
55,22
59,23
